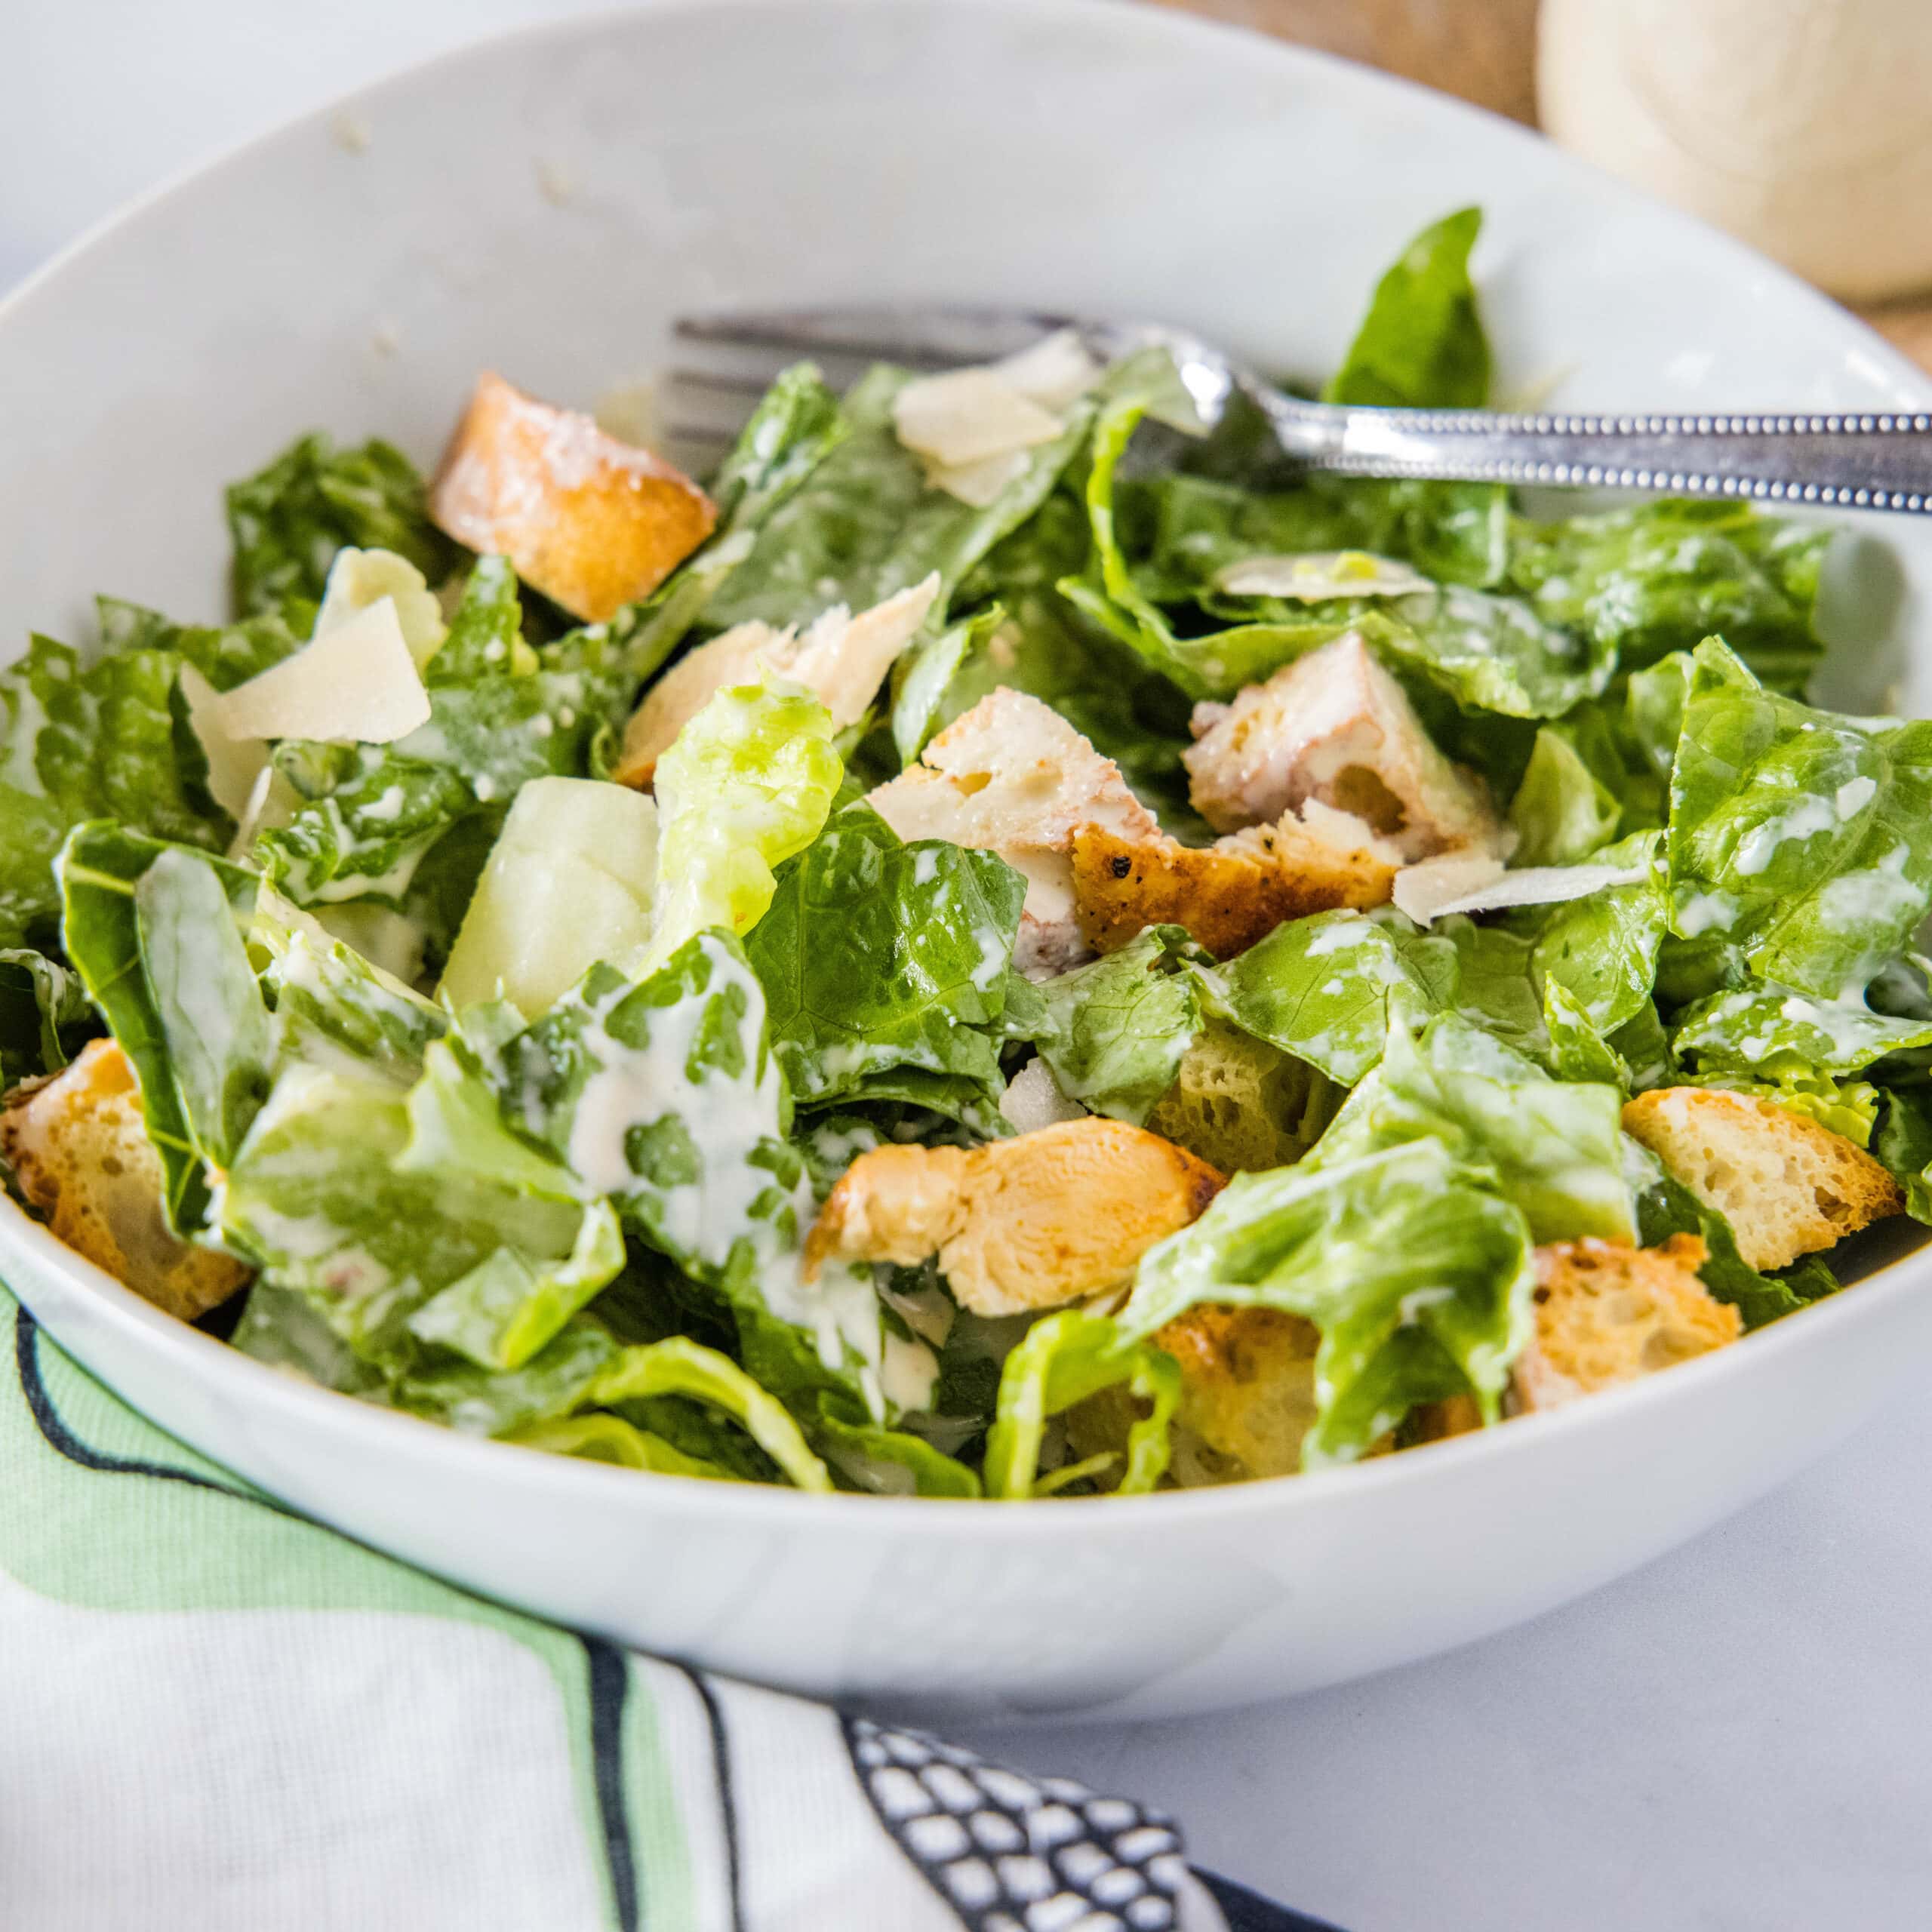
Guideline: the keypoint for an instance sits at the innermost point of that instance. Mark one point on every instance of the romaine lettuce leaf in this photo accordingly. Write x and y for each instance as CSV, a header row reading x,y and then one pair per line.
x,y
44,1014
1665,1207
1553,1147
1803,837
1762,1028
875,954
333,1007
1417,1275
166,966
1563,811
1422,345
1064,1359
318,1195
1319,988
863,523
746,783
1903,1142
1661,577
289,520
485,630
1114,1032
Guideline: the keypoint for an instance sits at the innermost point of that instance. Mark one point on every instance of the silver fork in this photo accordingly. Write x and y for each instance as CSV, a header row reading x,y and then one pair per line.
x,y
1875,461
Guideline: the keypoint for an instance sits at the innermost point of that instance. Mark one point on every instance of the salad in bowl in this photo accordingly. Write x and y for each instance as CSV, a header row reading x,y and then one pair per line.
x,y
1006,945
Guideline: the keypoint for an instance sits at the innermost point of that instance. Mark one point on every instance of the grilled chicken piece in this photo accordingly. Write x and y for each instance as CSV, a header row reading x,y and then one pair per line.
x,y
841,659
1788,1185
1046,1218
1012,777
1606,1313
1336,728
592,523
1230,894
77,1147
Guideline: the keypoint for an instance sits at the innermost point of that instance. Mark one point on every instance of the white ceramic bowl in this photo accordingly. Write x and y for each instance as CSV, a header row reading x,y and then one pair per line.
x,y
544,204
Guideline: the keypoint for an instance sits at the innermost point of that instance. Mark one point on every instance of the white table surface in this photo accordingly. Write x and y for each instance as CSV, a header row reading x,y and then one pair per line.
x,y
1737,1739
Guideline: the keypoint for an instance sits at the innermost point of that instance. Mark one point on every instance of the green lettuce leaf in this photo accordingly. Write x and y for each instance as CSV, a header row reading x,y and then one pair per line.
x,y
1064,1359
1418,1276
1114,1032
1802,837
1763,1028
1903,1142
1553,1147
1662,576
154,932
486,630
1319,988
864,525
318,1196
876,955
44,1015
747,783
1563,811
1422,345
289,520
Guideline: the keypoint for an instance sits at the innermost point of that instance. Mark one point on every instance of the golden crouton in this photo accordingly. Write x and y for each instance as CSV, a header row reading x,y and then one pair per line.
x,y
1606,1313
1228,895
1248,1392
1044,1219
1787,1185
78,1149
591,522
1241,1105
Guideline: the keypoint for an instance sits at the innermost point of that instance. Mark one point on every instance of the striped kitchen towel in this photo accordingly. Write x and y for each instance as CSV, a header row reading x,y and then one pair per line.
x,y
217,1717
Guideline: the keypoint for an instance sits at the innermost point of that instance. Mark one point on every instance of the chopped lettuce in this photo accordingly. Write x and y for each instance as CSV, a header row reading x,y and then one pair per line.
x,y
1554,1148
289,520
1421,344
1803,837
876,955
1660,577
865,524
1320,987
1416,1274
154,930
1114,1032
746,784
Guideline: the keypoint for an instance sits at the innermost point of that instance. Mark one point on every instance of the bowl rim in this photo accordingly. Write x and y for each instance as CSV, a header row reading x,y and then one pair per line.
x,y
261,1387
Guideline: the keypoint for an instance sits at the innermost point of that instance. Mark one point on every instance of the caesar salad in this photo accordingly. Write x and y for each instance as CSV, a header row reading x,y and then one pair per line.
x,y
1006,945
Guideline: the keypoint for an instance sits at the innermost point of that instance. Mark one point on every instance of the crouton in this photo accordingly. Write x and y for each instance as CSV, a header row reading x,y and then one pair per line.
x,y
1227,895
1335,727
1012,777
78,1148
841,659
1606,1313
1046,1218
1247,1397
1241,1105
1787,1185
592,523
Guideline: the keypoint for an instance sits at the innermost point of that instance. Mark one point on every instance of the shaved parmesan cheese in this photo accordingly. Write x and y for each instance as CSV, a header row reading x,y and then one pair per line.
x,y
1315,575
1467,882
354,683
1056,371
966,415
235,764
358,578
980,484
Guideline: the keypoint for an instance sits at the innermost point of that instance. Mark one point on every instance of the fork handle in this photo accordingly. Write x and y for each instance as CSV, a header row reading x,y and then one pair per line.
x,y
1877,461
